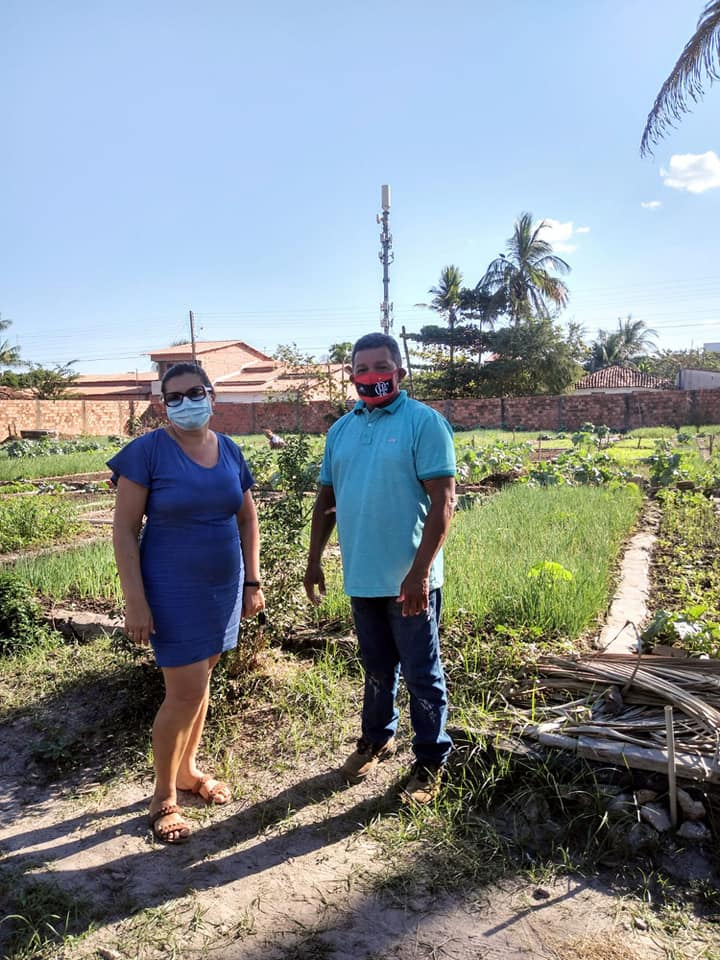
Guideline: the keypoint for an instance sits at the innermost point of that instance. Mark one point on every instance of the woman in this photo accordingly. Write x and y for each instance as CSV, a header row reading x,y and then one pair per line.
x,y
192,577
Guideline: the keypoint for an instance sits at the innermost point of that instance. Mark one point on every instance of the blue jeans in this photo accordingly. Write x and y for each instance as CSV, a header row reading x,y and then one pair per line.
x,y
388,642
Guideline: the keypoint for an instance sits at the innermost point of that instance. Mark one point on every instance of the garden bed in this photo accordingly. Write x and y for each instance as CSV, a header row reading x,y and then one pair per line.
x,y
76,729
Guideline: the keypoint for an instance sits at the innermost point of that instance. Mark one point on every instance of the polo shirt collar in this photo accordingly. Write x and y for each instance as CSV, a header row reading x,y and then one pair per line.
x,y
393,407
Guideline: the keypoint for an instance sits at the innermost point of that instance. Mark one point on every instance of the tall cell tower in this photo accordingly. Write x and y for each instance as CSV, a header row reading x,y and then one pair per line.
x,y
386,257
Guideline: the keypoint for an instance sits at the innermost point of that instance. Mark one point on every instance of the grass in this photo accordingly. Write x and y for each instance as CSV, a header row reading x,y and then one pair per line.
x,y
323,692
40,915
30,520
85,572
55,464
541,557
524,569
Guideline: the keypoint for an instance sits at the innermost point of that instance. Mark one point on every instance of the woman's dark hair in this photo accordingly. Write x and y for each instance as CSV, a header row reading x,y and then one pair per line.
x,y
178,369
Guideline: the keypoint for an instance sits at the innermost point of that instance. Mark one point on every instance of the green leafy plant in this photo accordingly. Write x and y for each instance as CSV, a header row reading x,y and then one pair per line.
x,y
498,458
22,625
26,520
549,572
695,628
283,520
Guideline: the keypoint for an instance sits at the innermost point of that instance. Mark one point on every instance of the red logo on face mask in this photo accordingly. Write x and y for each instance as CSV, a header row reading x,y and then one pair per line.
x,y
376,388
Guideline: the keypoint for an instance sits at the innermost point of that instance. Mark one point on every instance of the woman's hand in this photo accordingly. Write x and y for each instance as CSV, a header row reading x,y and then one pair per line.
x,y
139,622
253,601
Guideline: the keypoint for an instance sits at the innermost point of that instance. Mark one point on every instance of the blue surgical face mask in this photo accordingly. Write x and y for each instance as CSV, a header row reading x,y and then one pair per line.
x,y
190,414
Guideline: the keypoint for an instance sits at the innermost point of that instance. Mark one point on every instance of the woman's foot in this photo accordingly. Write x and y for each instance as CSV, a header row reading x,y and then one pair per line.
x,y
210,789
167,824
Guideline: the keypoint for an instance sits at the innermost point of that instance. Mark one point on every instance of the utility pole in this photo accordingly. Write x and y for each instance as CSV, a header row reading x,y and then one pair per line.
x,y
192,336
386,256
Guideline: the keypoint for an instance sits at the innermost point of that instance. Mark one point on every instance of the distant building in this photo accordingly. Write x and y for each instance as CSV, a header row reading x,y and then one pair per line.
x,y
114,386
711,347
698,379
217,357
240,374
617,379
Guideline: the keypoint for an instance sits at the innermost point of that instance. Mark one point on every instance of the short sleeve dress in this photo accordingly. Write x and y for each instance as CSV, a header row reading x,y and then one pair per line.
x,y
190,554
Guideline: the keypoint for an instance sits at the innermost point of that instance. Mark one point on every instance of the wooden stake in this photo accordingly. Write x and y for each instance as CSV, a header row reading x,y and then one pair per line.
x,y
672,784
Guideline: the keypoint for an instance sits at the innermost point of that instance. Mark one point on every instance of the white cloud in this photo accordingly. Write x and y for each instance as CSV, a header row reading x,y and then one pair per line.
x,y
558,234
694,172
650,204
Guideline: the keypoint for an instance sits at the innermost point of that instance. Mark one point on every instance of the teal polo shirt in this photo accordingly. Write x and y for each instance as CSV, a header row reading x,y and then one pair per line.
x,y
375,460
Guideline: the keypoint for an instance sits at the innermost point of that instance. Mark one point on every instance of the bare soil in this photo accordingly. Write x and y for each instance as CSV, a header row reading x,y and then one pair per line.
x,y
296,867
291,868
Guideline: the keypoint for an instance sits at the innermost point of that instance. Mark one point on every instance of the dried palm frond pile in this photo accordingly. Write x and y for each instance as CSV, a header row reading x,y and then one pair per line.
x,y
621,716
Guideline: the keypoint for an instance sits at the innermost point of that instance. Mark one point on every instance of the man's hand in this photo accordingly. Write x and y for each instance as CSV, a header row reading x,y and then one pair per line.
x,y
314,576
414,594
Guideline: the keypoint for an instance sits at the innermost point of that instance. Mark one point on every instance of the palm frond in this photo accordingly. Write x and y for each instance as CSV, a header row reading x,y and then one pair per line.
x,y
698,64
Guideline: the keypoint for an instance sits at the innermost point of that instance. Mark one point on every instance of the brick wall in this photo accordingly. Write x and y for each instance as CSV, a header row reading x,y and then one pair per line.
x,y
69,417
620,411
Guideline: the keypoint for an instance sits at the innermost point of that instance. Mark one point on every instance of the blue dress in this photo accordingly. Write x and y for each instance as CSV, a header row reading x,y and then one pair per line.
x,y
190,555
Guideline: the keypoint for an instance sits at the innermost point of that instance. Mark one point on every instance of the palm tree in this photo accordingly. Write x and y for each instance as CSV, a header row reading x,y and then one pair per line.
x,y
624,346
521,282
9,356
447,301
636,336
699,63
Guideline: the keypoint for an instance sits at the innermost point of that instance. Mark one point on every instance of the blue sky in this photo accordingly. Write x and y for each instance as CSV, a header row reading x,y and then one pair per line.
x,y
227,158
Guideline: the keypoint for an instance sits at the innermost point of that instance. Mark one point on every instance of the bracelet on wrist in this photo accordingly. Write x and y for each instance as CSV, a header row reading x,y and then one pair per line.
x,y
251,583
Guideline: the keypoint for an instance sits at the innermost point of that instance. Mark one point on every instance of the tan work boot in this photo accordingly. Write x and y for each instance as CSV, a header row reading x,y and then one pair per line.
x,y
361,763
424,784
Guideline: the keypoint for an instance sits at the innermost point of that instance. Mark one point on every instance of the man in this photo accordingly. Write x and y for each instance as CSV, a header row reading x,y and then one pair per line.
x,y
388,478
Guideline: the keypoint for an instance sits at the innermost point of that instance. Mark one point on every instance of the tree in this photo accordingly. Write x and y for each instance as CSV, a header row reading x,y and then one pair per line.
x,y
52,383
699,63
9,356
448,352
446,301
668,363
533,357
340,352
622,347
521,283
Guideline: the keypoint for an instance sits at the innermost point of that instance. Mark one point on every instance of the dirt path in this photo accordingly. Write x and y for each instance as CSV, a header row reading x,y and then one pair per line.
x,y
293,869
284,871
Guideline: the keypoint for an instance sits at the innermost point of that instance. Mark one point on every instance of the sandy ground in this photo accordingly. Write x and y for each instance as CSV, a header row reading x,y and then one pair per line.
x,y
288,871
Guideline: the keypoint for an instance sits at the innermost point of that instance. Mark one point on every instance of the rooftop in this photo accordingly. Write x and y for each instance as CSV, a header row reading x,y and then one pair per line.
x,y
617,377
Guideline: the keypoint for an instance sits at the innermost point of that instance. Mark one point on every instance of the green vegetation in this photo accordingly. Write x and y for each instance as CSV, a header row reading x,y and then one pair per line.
x,y
40,915
55,464
29,520
22,624
85,572
686,574
507,560
527,572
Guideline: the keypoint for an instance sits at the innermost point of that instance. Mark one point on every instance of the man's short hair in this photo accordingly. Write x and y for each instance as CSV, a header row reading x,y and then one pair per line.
x,y
371,341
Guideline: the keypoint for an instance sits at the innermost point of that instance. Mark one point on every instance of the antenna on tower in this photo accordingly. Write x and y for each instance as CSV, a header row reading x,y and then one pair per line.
x,y
386,256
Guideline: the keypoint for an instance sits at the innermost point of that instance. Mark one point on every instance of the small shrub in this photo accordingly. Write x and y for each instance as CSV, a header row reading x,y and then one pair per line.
x,y
21,619
35,519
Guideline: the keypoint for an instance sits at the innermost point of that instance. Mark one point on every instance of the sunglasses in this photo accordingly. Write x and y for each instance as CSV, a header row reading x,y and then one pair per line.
x,y
194,393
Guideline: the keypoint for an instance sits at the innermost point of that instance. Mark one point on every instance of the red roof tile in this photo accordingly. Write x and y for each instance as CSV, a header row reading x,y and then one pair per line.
x,y
618,377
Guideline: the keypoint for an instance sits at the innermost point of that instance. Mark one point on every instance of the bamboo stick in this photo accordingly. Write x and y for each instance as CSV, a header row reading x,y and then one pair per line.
x,y
672,783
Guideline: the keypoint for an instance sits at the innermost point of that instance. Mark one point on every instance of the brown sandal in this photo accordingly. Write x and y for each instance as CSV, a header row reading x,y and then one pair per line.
x,y
219,794
164,832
